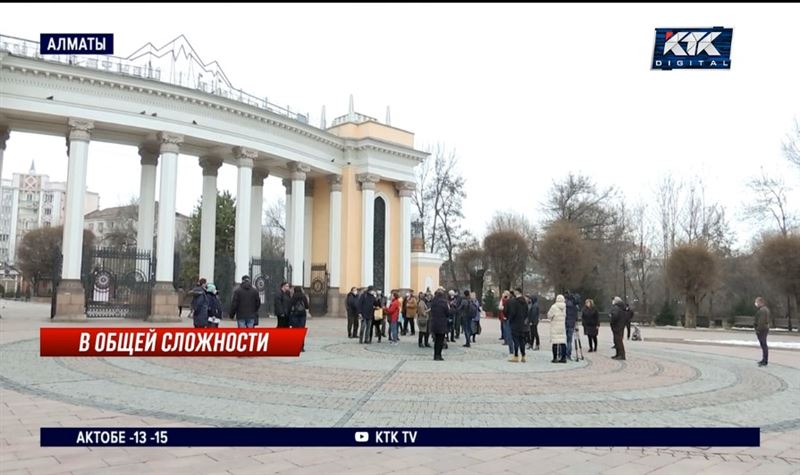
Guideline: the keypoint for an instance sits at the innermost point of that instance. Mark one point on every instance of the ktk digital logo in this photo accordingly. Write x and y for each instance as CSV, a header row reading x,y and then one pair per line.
x,y
693,48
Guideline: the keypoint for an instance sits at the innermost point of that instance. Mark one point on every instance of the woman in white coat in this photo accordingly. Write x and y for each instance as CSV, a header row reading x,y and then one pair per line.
x,y
558,330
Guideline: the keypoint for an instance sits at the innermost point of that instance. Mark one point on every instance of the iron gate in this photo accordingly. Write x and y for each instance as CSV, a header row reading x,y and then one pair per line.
x,y
267,275
318,293
118,282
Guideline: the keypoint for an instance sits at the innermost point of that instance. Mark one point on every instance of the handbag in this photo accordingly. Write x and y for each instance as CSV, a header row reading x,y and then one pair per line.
x,y
378,313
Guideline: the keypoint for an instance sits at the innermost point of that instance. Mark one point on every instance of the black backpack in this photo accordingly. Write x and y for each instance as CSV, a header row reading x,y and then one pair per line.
x,y
299,307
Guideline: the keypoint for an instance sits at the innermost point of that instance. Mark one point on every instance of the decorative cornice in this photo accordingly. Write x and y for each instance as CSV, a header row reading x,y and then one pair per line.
x,y
148,156
4,134
405,188
79,129
298,170
244,157
335,182
367,180
113,82
259,175
169,142
287,183
210,165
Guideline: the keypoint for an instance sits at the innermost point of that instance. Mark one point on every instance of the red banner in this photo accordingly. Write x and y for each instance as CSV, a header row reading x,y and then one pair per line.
x,y
171,341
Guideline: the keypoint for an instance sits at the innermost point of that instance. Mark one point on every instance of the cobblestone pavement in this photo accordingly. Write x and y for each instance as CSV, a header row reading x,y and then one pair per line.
x,y
340,383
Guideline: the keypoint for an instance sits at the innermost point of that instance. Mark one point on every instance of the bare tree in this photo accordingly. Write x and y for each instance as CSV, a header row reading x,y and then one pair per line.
x,y
641,276
274,232
505,253
779,263
770,201
578,200
693,270
564,256
791,146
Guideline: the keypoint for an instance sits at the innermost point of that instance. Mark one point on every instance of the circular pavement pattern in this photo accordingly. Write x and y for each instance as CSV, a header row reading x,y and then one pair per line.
x,y
339,382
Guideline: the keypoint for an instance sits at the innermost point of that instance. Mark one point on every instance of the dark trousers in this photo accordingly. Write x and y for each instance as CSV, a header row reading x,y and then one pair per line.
x,y
423,338
592,342
534,336
559,351
619,346
467,331
762,340
519,344
628,326
283,321
352,326
451,330
438,344
406,323
365,336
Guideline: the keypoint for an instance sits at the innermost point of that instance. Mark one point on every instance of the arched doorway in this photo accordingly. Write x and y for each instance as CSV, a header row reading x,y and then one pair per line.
x,y
379,245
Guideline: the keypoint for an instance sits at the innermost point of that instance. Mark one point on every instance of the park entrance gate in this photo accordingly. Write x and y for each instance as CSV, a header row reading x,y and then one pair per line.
x,y
118,282
267,275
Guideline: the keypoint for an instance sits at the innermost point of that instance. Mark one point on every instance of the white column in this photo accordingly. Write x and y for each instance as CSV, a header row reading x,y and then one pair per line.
x,y
298,177
257,212
4,133
307,233
287,235
367,226
165,249
208,216
241,251
145,226
406,190
335,230
72,239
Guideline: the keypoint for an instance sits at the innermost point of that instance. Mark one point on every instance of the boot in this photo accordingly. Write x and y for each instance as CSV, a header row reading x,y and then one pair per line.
x,y
523,359
514,359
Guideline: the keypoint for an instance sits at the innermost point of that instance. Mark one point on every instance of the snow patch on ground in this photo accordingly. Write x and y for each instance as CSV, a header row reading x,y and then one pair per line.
x,y
772,344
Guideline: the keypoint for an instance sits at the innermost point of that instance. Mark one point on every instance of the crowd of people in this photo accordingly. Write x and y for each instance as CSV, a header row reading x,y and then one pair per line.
x,y
446,315
442,315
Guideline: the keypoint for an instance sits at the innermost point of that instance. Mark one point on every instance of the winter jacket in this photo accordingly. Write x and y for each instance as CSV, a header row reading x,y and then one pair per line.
x,y
200,307
558,315
591,320
533,312
411,307
393,310
572,314
282,304
298,306
517,312
351,304
618,317
214,306
423,317
439,314
762,319
246,302
367,305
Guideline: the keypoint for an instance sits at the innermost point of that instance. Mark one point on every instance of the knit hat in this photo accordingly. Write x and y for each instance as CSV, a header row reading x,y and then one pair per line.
x,y
211,289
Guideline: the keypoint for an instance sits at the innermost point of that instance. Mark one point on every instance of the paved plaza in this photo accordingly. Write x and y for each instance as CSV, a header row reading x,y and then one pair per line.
x,y
666,381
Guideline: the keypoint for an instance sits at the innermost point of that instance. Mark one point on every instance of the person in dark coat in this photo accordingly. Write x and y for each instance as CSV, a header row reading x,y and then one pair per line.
x,y
199,304
439,312
245,304
366,307
281,304
214,306
298,310
571,321
517,313
591,322
351,306
618,327
762,329
533,321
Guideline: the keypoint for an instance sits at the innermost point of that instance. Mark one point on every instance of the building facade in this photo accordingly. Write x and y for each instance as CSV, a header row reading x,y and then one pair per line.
x,y
118,225
30,201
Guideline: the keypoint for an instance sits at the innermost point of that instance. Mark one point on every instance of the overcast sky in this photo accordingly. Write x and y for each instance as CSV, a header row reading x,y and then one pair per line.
x,y
524,93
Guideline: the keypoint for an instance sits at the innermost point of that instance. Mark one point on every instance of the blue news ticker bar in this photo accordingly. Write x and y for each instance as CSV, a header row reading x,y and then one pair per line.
x,y
417,437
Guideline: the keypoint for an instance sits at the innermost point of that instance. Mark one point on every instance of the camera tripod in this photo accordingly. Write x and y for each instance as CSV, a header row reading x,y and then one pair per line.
x,y
577,349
